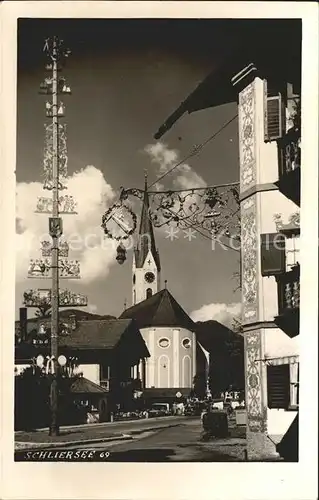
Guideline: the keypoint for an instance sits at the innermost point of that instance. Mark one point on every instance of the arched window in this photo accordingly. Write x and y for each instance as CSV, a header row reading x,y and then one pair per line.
x,y
149,293
163,372
186,372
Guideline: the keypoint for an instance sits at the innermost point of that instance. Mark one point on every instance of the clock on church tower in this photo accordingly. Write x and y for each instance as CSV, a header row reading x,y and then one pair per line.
x,y
149,277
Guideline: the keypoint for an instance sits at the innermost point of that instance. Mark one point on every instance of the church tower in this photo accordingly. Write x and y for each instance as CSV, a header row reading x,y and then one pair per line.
x,y
146,262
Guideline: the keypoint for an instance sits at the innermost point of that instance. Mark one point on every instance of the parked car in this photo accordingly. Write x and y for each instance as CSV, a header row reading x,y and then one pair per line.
x,y
159,410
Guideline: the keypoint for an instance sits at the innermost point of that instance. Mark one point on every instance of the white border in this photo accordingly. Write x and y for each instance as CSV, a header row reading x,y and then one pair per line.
x,y
198,480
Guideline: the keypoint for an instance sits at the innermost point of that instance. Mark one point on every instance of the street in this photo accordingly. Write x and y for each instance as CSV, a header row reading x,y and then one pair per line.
x,y
178,444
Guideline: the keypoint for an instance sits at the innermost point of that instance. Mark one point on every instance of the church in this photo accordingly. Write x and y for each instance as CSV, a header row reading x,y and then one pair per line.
x,y
168,331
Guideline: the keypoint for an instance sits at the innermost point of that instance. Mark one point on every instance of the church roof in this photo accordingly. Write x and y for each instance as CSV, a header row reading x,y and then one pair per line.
x,y
159,310
146,235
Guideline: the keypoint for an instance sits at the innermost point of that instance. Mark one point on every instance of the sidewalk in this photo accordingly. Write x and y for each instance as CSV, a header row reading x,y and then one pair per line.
x,y
90,433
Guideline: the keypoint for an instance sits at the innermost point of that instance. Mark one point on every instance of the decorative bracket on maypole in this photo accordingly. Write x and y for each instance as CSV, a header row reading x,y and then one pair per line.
x,y
41,268
42,297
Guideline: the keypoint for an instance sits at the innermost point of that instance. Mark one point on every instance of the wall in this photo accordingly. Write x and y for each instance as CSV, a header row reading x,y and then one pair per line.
x,y
171,366
278,422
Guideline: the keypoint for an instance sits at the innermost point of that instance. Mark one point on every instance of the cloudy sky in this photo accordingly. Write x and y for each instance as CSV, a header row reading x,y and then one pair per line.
x,y
127,77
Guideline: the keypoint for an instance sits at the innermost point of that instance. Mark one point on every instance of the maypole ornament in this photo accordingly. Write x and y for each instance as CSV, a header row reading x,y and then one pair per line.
x,y
42,297
119,222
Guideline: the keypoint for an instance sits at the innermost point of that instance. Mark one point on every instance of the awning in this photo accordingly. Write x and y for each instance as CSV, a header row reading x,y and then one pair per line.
x,y
282,360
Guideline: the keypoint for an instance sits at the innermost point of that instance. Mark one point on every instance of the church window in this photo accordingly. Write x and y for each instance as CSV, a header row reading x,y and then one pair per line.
x,y
149,293
186,343
134,279
164,342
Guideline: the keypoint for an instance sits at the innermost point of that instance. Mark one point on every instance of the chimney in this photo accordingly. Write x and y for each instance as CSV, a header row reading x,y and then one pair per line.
x,y
72,321
23,318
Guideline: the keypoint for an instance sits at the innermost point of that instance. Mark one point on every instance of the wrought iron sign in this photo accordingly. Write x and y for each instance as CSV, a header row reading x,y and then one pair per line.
x,y
213,210
119,221
41,268
41,297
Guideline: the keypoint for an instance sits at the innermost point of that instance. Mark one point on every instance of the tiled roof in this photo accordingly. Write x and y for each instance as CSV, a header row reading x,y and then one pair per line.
x,y
89,334
98,334
159,310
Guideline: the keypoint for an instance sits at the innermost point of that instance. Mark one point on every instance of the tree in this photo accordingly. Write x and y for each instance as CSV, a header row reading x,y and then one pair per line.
x,y
200,385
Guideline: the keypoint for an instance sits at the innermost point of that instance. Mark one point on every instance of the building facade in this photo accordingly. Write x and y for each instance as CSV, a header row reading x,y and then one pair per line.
x,y
269,143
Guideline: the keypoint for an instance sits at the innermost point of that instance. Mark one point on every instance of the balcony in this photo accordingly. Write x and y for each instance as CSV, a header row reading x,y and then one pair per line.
x,y
289,161
288,301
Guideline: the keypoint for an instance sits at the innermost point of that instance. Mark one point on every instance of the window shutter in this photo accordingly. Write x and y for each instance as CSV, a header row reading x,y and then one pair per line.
x,y
278,386
273,254
274,114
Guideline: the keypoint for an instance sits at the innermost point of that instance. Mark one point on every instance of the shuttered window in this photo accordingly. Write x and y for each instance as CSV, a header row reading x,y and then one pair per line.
x,y
278,386
273,254
275,115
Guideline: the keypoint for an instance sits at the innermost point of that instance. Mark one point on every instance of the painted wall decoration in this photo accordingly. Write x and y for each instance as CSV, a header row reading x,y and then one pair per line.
x,y
256,416
249,264
246,114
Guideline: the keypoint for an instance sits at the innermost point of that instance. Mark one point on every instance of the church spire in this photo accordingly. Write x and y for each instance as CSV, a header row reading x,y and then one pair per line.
x,y
146,267
146,238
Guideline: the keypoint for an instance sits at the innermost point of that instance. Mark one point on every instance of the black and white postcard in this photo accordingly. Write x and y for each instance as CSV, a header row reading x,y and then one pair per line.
x,y
159,187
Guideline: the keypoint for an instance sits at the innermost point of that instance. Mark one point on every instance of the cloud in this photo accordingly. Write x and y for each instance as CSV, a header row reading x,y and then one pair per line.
x,y
82,231
164,158
224,313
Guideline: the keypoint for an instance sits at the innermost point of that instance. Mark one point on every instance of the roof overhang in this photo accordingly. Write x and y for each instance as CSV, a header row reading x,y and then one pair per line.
x,y
278,55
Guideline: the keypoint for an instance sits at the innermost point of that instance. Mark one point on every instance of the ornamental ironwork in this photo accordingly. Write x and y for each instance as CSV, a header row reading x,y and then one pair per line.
x,y
213,210
67,205
119,221
46,249
42,297
41,268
